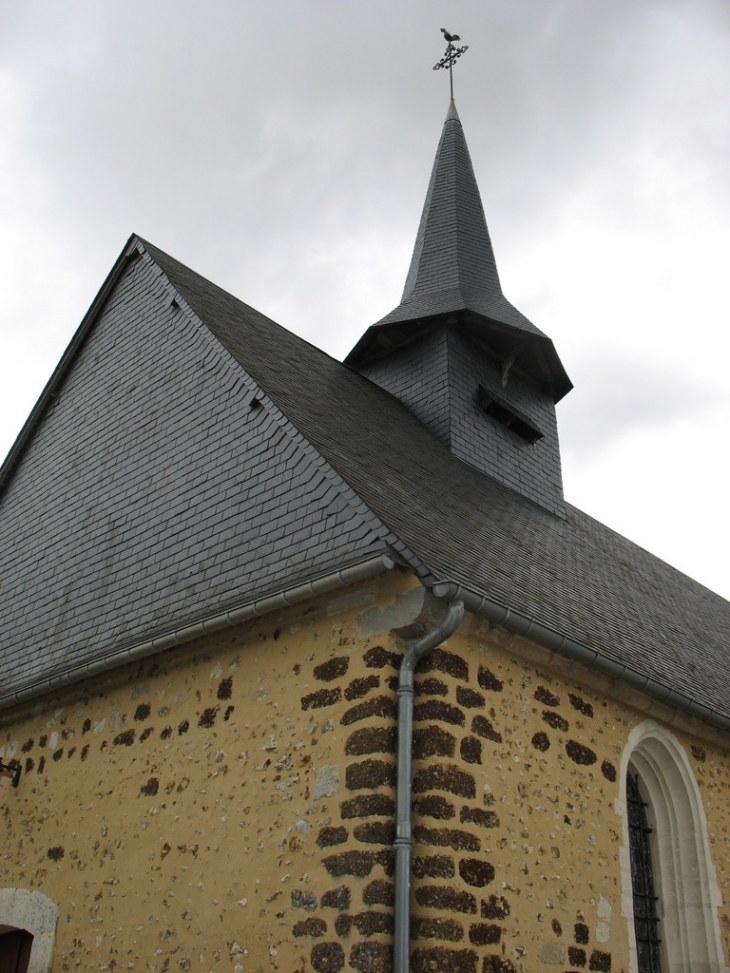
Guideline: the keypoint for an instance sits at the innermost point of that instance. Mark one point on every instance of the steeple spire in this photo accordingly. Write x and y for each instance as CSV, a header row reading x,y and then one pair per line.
x,y
453,272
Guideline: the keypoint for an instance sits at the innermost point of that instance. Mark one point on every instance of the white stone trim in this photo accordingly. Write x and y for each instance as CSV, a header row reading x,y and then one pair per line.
x,y
685,878
34,912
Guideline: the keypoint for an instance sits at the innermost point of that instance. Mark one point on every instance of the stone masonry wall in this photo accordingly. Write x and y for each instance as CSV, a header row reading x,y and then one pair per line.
x,y
229,806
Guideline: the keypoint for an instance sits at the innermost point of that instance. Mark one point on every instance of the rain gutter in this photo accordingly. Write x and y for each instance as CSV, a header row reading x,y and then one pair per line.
x,y
252,609
549,638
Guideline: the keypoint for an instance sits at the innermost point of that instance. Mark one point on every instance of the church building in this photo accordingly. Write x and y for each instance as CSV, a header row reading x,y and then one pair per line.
x,y
309,666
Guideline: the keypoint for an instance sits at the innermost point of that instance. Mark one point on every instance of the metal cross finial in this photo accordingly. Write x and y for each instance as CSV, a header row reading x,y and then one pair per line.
x,y
450,57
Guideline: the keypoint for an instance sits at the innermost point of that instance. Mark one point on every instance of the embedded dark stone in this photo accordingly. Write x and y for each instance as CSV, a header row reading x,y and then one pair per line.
x,y
436,709
311,926
440,777
41,765
447,662
304,900
150,788
59,753
434,806
433,866
497,964
476,872
497,907
608,770
166,733
377,706
225,688
207,717
332,669
555,720
447,837
378,658
148,730
323,697
469,698
336,899
367,804
125,739
227,714
361,687
475,815
370,958
30,764
557,929
375,832
370,923
580,754
371,739
369,773
580,933
56,853
327,957
28,745
378,892
71,752
276,634
449,930
43,741
183,727
576,956
431,687
483,728
440,959
142,712
343,925
443,897
697,752
540,741
487,680
331,836
471,750
484,934
432,741
600,961
580,704
543,695
358,863
86,727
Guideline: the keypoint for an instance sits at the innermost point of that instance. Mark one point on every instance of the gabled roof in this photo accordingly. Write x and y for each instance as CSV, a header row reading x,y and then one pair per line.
x,y
159,485
178,464
573,575
453,272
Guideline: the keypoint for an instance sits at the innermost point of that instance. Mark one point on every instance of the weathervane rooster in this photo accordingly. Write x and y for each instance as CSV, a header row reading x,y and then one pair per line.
x,y
451,56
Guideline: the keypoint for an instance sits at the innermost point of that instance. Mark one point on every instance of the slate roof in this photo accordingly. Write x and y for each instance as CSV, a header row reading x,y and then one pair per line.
x,y
189,455
574,575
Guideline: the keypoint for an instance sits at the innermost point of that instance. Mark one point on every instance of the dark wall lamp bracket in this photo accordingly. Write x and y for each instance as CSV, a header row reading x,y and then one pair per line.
x,y
12,771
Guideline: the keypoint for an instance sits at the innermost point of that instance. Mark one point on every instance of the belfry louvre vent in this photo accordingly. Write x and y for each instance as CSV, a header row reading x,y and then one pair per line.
x,y
508,416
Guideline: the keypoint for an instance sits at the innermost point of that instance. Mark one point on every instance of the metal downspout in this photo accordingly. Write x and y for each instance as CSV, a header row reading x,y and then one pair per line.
x,y
403,840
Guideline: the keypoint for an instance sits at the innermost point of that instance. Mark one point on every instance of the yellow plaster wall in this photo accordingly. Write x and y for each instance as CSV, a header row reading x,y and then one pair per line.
x,y
228,805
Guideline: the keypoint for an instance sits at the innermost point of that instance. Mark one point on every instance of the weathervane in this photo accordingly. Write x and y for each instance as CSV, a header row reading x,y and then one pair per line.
x,y
450,57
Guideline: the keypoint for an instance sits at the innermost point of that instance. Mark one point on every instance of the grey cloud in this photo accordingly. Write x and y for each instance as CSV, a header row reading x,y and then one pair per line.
x,y
616,396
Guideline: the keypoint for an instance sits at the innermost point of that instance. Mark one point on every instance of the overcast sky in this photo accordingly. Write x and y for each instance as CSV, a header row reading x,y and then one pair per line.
x,y
283,148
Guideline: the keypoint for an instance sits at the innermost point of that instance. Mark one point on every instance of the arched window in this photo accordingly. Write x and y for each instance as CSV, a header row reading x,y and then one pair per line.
x,y
27,931
670,892
646,920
